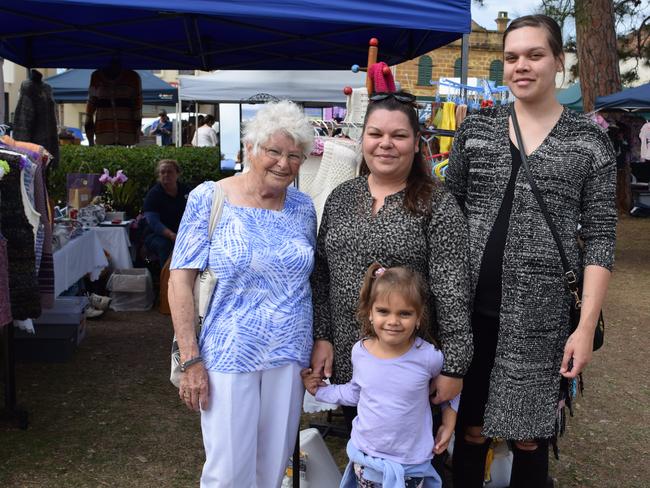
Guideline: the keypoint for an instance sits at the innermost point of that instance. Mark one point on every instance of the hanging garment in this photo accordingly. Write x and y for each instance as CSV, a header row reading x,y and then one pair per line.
x,y
600,120
356,106
116,105
35,118
44,265
644,135
23,284
5,304
461,113
448,123
34,218
437,119
340,162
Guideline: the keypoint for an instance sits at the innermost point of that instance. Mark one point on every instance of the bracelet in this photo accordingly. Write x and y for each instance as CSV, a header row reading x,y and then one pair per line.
x,y
190,362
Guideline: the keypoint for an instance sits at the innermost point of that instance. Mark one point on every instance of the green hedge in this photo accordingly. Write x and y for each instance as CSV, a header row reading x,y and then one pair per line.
x,y
198,164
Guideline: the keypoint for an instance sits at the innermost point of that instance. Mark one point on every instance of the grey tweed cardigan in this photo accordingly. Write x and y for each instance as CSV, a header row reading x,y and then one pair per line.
x,y
575,170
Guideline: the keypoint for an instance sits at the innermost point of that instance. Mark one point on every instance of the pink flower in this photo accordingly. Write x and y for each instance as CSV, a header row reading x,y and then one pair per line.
x,y
120,178
105,177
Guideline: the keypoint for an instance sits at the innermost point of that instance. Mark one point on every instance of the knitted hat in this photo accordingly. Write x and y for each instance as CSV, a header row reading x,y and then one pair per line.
x,y
382,78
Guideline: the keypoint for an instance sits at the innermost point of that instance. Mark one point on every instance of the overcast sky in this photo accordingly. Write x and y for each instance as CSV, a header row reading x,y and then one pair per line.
x,y
485,15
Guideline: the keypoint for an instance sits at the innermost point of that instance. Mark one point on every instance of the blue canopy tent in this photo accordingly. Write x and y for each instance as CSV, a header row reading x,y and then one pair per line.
x,y
635,99
72,87
225,34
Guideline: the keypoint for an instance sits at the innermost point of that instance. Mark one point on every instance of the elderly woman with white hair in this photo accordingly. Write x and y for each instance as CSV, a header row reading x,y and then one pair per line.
x,y
243,373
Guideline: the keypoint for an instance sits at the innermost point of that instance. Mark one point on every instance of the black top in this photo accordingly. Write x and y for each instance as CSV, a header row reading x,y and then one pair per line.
x,y
169,209
487,300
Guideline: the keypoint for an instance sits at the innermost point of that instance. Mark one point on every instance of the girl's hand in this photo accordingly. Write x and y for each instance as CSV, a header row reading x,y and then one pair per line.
x,y
577,352
442,438
311,380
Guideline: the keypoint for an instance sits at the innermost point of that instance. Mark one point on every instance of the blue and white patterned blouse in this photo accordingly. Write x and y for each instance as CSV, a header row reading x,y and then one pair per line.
x,y
260,316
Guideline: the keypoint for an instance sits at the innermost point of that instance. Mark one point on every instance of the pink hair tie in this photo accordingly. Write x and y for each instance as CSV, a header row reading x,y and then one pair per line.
x,y
378,272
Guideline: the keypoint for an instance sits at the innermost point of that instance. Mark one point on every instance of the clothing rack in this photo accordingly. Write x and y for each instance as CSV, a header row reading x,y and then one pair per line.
x,y
438,132
12,414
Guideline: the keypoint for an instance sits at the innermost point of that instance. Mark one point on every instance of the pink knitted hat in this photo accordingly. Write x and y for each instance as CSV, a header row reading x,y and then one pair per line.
x,y
382,78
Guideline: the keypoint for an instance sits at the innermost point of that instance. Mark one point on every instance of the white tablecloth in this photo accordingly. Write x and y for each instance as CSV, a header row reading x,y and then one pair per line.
x,y
79,256
116,242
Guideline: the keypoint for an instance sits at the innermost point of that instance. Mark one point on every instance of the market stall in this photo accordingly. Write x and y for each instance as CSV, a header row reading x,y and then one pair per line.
x,y
82,255
71,86
631,109
206,35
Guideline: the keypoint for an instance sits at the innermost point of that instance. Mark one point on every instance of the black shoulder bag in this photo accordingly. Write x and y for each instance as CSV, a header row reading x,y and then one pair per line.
x,y
570,276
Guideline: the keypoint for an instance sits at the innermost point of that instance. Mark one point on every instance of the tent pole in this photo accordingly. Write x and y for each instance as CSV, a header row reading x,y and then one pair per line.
x,y
179,108
464,63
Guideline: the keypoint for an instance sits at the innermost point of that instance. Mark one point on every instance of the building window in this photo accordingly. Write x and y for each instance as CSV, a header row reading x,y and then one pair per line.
x,y
496,72
185,71
458,71
425,70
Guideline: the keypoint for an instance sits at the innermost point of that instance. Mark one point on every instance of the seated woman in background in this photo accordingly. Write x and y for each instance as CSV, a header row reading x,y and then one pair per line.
x,y
163,208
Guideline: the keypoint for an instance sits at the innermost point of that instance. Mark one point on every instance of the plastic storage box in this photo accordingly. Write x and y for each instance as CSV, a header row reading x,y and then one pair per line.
x,y
131,290
59,331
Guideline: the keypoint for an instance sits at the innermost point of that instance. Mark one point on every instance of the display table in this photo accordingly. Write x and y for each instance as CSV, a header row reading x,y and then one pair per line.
x,y
115,240
78,257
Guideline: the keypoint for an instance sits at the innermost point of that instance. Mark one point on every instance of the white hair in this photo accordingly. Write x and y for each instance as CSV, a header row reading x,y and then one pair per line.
x,y
284,117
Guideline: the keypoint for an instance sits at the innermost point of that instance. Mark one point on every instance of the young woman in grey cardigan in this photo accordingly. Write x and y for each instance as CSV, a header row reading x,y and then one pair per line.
x,y
520,319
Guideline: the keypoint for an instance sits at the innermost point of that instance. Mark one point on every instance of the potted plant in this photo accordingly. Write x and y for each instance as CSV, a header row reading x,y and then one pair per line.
x,y
119,195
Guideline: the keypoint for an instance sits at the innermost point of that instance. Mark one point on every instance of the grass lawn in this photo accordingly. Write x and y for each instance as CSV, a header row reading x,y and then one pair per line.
x,y
110,417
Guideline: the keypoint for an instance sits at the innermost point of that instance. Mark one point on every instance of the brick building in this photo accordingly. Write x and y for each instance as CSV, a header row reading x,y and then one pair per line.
x,y
485,60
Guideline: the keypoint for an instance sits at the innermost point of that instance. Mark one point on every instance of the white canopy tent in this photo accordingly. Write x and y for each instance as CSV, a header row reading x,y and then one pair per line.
x,y
227,86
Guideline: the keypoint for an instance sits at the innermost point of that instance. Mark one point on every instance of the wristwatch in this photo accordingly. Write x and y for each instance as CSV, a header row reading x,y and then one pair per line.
x,y
190,362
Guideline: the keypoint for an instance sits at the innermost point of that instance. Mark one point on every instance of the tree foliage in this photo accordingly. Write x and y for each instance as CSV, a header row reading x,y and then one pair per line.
x,y
632,24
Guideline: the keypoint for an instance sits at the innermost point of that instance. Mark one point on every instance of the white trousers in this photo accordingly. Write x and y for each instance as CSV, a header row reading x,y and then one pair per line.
x,y
250,427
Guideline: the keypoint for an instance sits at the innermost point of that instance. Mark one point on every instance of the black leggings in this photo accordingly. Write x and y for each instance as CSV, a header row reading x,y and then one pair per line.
x,y
530,468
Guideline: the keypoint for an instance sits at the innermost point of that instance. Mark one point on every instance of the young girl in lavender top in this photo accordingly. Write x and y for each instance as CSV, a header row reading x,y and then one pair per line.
x,y
392,442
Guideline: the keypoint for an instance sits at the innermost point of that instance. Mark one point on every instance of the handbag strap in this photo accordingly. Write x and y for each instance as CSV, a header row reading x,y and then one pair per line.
x,y
570,276
218,197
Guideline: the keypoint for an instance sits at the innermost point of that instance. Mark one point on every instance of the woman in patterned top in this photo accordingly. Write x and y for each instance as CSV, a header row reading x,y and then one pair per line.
x,y
256,337
397,215
522,346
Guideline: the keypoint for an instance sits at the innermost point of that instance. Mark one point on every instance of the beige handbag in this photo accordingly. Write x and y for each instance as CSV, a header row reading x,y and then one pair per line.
x,y
204,286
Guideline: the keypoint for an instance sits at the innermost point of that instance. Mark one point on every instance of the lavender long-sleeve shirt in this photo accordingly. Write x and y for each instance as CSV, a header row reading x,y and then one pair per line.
x,y
392,397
